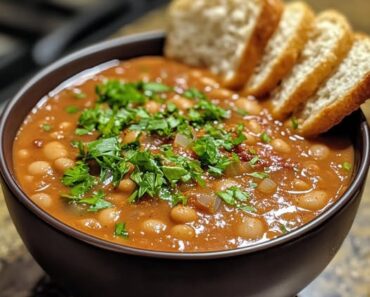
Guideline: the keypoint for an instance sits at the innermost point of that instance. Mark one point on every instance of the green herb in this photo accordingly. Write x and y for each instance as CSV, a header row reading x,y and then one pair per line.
x,y
265,137
107,153
254,161
119,94
205,111
283,228
234,196
156,87
192,167
96,202
294,122
259,175
347,166
79,180
79,95
194,93
71,109
241,112
46,127
224,138
120,230
207,149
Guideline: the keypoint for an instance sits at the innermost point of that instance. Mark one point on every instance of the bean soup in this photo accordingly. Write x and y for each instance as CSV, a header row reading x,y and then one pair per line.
x,y
157,155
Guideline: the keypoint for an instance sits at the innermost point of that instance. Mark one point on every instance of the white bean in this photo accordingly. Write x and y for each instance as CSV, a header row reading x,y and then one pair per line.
x,y
251,228
23,154
42,199
183,214
62,164
183,232
319,151
127,186
108,216
55,150
153,226
130,136
314,200
39,168
90,223
250,106
280,146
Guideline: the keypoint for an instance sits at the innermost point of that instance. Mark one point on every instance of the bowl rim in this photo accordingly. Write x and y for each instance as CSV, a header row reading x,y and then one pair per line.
x,y
357,182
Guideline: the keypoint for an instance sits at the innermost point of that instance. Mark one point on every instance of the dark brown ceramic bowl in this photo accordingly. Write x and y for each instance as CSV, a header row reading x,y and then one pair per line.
x,y
92,267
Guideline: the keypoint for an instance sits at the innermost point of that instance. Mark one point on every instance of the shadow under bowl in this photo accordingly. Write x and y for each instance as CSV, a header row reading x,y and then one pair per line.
x,y
91,267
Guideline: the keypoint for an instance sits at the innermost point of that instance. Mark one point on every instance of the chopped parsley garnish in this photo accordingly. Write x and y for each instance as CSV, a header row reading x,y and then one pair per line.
x,y
120,230
234,196
207,149
294,122
265,137
156,87
259,175
79,180
120,107
347,166
155,179
283,228
254,160
96,202
71,109
46,127
194,93
79,95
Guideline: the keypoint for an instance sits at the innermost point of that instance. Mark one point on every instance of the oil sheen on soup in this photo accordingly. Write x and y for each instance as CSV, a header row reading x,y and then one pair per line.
x,y
153,154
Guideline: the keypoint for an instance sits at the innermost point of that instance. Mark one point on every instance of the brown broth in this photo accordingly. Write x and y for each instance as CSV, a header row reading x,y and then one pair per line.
x,y
278,212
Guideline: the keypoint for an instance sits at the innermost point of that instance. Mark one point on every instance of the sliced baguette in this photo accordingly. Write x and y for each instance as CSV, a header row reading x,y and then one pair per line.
x,y
329,41
282,50
341,94
226,36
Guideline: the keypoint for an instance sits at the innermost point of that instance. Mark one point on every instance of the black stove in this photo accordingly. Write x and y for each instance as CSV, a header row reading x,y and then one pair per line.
x,y
36,33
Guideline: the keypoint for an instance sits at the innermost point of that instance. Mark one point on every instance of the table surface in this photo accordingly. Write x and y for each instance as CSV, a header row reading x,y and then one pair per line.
x,y
348,275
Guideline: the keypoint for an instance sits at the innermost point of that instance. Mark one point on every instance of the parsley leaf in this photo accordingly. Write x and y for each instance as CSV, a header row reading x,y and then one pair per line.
x,y
207,149
71,109
96,202
259,175
265,137
194,93
78,179
234,196
119,94
46,127
79,95
347,166
294,122
156,87
120,230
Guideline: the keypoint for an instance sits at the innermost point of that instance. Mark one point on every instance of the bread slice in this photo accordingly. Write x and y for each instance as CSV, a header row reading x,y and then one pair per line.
x,y
226,36
341,94
282,50
329,41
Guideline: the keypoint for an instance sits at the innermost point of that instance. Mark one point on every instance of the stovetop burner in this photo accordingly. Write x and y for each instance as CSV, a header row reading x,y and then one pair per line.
x,y
35,33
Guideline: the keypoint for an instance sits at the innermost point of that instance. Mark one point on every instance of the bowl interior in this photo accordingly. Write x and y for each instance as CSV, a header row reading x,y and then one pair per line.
x,y
126,48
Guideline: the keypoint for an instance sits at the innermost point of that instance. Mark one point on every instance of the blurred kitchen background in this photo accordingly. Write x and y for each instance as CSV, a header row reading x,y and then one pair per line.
x,y
34,33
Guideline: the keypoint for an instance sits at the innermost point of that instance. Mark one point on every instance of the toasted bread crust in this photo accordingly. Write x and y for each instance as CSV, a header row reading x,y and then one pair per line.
x,y
331,115
312,81
335,113
265,27
286,61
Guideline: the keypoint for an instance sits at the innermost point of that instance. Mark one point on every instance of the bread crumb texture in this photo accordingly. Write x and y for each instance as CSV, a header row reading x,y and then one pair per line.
x,y
212,33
